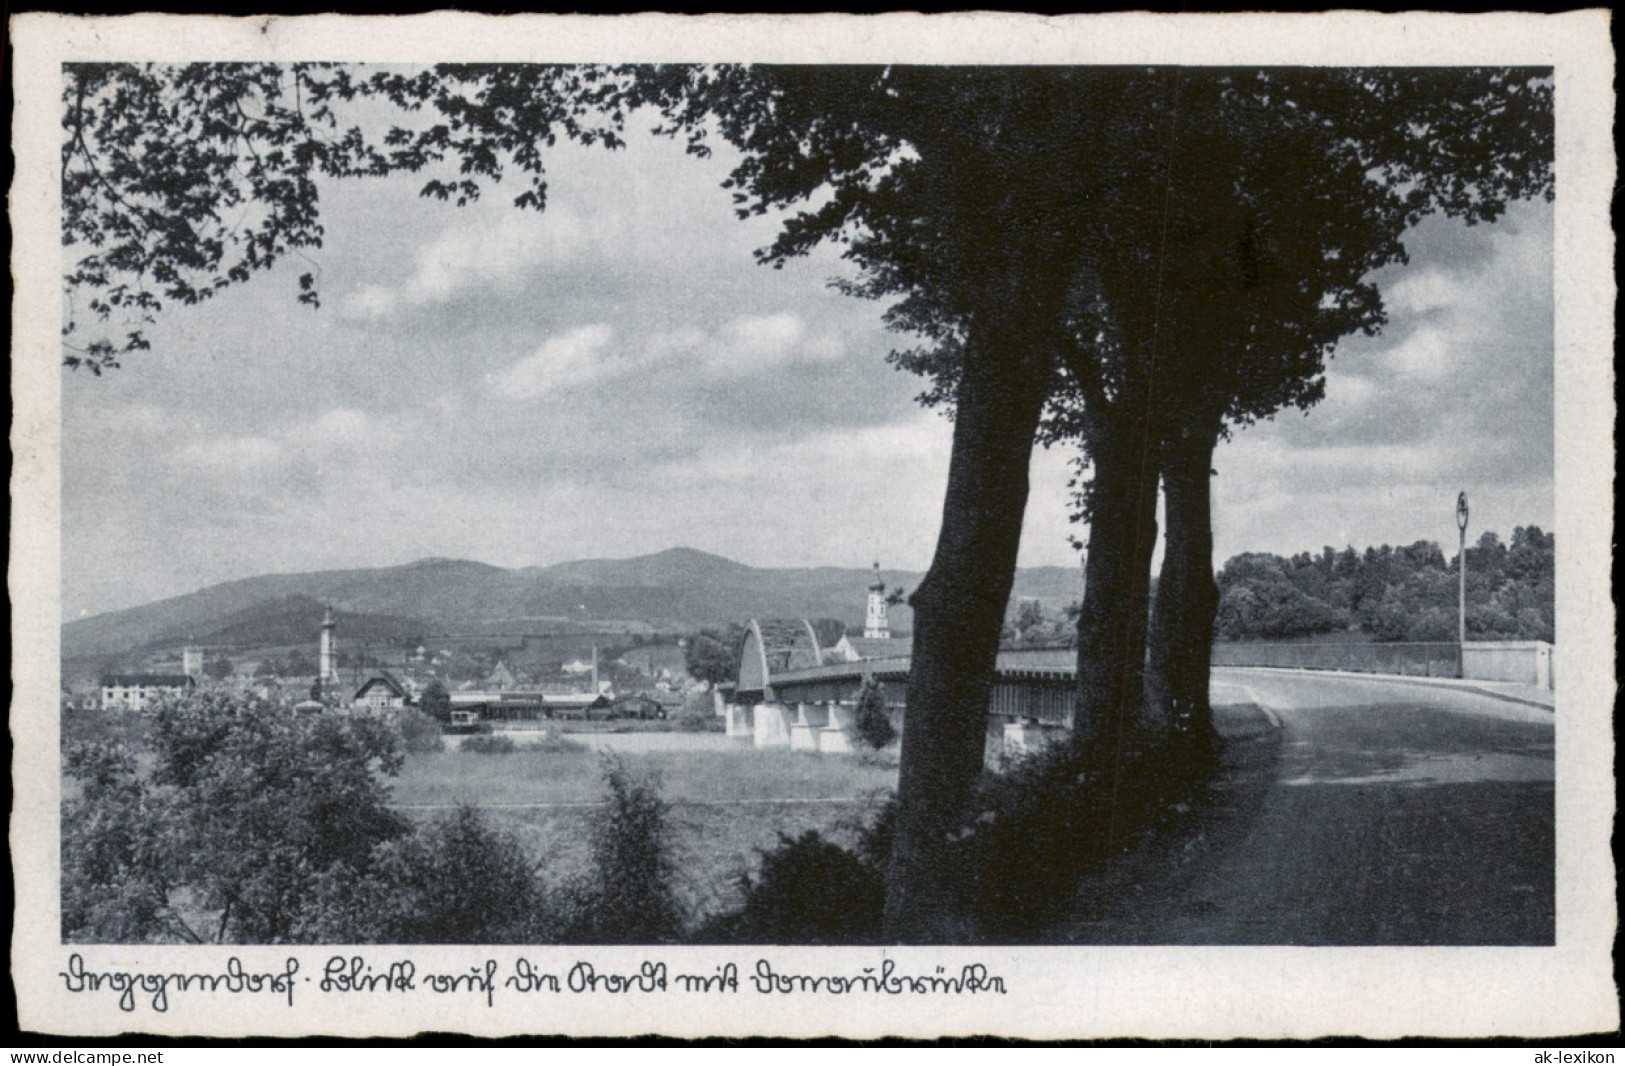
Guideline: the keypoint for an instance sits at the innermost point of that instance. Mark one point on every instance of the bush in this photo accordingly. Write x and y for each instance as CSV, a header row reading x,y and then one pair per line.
x,y
489,744
1082,811
556,744
688,724
245,812
436,702
809,891
455,880
419,732
629,897
870,722
89,726
117,877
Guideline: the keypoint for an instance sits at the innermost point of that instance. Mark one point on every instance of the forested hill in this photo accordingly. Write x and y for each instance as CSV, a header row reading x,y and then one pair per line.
x,y
1389,594
676,589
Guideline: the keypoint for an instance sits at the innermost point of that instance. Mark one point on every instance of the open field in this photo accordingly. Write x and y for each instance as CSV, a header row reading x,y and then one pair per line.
x,y
572,774
713,845
627,741
727,803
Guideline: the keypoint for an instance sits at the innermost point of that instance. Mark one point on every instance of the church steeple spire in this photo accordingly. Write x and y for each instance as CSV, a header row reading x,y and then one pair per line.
x,y
875,625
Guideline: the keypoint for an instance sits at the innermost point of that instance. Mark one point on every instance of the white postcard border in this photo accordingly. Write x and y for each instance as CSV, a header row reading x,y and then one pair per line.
x,y
1206,993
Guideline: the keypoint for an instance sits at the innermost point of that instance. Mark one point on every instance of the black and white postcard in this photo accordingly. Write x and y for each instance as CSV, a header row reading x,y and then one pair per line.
x,y
903,526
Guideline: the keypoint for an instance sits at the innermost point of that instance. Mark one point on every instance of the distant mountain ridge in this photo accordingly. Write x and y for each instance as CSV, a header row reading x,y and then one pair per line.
x,y
680,588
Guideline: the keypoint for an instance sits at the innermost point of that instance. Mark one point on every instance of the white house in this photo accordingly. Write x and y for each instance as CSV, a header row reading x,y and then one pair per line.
x,y
381,690
133,692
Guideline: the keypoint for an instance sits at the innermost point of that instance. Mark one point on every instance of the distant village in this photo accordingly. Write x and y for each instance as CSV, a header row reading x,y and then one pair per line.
x,y
648,680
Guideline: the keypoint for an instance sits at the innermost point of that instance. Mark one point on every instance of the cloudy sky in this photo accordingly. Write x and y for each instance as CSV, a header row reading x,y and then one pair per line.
x,y
617,376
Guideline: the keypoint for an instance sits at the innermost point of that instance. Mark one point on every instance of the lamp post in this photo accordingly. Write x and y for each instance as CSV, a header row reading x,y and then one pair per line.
x,y
1461,569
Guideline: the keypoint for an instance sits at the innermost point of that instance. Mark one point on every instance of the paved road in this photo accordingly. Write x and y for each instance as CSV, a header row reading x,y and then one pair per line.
x,y
1396,814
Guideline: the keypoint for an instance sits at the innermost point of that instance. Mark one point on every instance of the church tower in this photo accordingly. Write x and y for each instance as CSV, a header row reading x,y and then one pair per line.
x,y
328,669
192,662
874,623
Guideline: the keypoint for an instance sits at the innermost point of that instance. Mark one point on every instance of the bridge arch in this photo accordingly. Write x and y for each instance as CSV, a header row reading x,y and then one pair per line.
x,y
773,647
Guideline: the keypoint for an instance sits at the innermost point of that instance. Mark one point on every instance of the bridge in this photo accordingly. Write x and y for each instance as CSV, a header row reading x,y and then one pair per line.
x,y
790,695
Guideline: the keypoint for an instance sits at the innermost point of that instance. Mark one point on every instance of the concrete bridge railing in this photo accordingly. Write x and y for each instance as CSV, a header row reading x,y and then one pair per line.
x,y
1527,662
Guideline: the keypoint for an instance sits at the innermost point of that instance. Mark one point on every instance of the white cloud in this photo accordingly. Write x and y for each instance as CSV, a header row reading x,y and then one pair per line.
x,y
765,335
1347,392
342,429
750,343
562,362
1427,354
884,453
342,425
1428,290
746,344
496,252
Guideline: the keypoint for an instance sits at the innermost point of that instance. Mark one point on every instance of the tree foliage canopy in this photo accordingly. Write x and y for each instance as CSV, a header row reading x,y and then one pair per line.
x,y
1236,246
244,808
436,701
225,820
712,655
1394,593
181,180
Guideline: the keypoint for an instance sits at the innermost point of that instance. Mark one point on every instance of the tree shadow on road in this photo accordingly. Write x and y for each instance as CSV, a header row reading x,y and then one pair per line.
x,y
1401,848
1152,876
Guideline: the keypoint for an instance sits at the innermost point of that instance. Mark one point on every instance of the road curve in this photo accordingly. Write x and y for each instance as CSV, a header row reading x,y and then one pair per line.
x,y
1398,814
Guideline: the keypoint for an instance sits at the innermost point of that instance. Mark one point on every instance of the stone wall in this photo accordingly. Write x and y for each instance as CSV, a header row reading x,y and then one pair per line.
x,y
1526,662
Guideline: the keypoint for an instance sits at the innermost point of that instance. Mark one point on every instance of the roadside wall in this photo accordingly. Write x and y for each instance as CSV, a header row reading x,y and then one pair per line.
x,y
1527,662
1412,660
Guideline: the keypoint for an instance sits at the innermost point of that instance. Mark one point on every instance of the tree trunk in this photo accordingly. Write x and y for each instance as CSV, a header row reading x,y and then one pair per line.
x,y
1187,598
1117,587
958,613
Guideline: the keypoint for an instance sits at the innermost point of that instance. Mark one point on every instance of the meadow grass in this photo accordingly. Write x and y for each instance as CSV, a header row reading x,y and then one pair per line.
x,y
713,846
722,812
574,776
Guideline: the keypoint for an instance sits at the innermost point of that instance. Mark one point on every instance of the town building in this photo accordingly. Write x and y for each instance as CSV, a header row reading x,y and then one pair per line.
x,y
850,649
136,692
501,678
381,691
636,705
531,706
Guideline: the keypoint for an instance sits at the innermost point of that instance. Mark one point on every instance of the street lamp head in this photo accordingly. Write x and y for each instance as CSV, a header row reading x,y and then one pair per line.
x,y
1461,511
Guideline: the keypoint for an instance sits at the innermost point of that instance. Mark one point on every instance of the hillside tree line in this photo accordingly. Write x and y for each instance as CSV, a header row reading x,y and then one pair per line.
x,y
1406,593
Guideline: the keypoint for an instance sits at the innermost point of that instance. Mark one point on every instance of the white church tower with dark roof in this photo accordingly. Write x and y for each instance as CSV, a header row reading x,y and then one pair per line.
x,y
328,673
875,626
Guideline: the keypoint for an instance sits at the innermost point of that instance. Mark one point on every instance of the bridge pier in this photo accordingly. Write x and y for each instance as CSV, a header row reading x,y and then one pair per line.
x,y
802,737
772,725
738,720
832,739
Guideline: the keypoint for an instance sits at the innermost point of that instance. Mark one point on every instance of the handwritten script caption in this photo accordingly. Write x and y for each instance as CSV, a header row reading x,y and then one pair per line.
x,y
489,981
